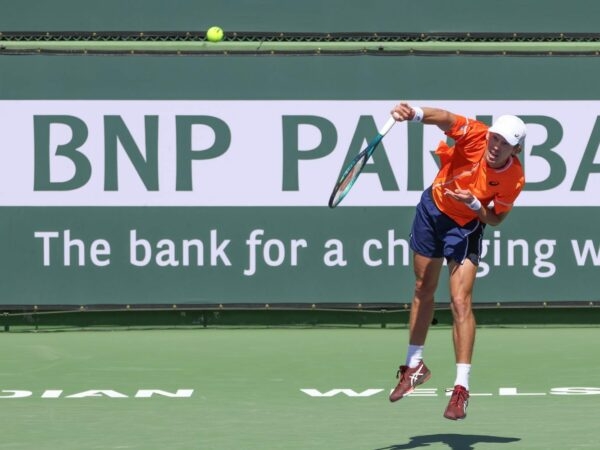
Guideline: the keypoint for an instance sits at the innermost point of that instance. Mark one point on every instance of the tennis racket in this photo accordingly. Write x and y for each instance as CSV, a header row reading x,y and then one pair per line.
x,y
353,170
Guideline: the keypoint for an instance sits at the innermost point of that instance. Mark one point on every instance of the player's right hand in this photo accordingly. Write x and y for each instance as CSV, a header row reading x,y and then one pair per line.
x,y
402,112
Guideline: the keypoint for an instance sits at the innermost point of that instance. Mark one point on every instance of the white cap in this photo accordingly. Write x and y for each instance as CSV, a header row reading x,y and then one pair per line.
x,y
510,128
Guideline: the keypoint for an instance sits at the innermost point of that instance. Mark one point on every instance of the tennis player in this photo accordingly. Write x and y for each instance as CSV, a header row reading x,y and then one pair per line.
x,y
479,179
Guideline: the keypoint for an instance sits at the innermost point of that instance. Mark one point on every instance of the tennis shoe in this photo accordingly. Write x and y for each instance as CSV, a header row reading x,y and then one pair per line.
x,y
409,379
457,407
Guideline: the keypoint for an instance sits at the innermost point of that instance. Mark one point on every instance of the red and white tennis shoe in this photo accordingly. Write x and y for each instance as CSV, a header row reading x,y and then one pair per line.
x,y
409,378
457,407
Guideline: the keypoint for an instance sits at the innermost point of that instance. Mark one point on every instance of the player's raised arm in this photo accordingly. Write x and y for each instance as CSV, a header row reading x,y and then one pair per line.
x,y
428,115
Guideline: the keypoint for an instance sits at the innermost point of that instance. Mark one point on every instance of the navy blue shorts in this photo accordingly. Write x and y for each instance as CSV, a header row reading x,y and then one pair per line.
x,y
436,235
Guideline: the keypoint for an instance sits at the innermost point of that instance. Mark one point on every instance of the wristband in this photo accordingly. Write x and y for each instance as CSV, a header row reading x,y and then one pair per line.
x,y
475,204
418,114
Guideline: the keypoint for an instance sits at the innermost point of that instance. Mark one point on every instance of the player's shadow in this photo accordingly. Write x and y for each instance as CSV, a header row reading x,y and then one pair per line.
x,y
453,441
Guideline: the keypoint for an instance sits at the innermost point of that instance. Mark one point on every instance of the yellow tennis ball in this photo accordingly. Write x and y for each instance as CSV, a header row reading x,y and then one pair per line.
x,y
214,34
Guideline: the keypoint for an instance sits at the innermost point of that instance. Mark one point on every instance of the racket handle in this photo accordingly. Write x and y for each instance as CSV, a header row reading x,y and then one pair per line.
x,y
388,126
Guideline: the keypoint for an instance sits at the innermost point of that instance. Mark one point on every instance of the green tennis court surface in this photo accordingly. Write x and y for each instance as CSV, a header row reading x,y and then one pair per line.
x,y
293,389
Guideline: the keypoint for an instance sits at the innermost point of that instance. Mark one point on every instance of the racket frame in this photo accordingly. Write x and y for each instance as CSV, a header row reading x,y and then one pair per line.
x,y
344,184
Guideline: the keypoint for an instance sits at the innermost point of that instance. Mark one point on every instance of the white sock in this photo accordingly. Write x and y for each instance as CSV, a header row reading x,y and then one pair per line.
x,y
462,375
414,355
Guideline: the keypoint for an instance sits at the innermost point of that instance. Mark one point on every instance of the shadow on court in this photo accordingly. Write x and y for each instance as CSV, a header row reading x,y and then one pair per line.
x,y
453,441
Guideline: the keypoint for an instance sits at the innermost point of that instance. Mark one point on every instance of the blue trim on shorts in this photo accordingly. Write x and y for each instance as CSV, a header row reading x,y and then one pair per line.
x,y
436,235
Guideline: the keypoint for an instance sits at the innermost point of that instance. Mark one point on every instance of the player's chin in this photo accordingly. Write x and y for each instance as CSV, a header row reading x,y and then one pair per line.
x,y
491,160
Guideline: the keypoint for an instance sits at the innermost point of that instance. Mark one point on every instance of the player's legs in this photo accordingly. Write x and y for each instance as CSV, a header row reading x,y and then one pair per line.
x,y
427,273
415,372
427,246
424,240
462,278
463,246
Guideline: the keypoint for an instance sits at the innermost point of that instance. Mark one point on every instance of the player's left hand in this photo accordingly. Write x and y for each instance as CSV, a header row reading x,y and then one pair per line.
x,y
461,195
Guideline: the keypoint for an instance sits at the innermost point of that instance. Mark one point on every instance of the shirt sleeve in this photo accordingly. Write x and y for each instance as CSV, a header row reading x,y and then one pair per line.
x,y
468,134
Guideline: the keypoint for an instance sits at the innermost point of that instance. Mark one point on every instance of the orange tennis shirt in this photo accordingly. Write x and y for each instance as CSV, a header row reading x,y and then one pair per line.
x,y
463,166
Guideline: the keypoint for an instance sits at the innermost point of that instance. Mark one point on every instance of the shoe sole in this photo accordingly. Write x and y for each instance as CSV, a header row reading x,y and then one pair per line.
x,y
455,418
423,379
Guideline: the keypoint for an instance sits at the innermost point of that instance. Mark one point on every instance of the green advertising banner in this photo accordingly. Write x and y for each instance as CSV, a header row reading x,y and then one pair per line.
x,y
204,180
179,255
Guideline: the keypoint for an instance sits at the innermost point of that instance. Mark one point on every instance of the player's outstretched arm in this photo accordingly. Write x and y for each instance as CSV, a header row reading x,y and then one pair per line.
x,y
428,115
